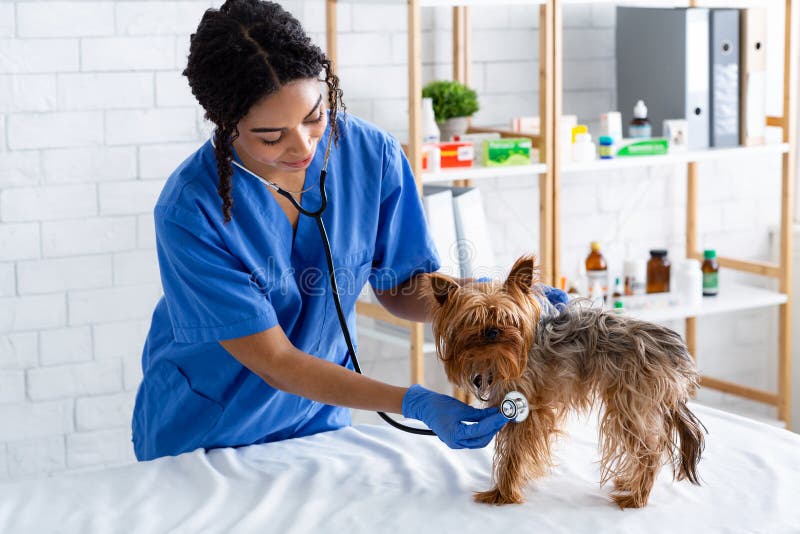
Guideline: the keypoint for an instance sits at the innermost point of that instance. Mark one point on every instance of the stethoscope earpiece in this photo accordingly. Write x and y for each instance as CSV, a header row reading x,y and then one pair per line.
x,y
515,406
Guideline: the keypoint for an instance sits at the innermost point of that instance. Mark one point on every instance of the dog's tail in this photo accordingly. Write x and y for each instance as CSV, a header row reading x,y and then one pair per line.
x,y
687,435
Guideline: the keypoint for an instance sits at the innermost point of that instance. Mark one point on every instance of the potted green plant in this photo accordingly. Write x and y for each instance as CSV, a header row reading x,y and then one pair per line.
x,y
453,104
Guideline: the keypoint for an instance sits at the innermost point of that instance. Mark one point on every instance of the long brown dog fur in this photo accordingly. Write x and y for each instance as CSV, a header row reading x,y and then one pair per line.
x,y
493,339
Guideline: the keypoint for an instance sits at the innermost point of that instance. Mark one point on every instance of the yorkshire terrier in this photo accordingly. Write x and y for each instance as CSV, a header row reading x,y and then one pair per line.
x,y
496,337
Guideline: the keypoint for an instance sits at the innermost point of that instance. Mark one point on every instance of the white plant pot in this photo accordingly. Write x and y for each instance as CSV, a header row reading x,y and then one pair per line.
x,y
454,126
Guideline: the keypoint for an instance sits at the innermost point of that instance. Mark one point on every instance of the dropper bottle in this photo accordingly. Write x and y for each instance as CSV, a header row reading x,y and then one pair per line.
x,y
640,127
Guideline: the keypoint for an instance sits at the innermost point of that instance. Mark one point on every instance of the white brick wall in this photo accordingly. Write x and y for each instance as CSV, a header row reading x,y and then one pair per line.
x,y
27,92
8,280
65,345
54,275
94,115
65,19
117,90
127,53
19,56
88,164
54,130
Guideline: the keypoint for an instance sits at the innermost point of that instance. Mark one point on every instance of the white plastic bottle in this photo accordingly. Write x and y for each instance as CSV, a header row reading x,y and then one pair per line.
x,y
430,130
688,283
584,149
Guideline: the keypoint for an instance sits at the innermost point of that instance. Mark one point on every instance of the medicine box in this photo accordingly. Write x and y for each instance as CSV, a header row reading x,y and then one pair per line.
x,y
506,152
655,146
457,154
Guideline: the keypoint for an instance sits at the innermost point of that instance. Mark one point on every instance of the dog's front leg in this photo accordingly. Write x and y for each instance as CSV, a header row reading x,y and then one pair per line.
x,y
522,452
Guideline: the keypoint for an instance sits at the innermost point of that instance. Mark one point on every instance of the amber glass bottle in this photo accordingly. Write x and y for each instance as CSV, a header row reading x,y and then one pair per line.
x,y
597,268
658,272
710,273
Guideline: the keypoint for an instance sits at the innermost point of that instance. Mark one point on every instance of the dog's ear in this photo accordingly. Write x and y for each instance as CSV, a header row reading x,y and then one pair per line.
x,y
523,274
441,287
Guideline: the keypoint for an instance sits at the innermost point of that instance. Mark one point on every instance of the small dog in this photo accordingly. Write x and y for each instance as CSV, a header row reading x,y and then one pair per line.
x,y
497,337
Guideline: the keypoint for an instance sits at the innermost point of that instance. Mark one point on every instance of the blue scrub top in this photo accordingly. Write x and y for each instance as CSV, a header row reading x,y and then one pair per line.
x,y
223,281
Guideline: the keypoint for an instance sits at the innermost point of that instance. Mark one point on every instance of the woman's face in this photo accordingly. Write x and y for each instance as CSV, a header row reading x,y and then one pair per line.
x,y
281,131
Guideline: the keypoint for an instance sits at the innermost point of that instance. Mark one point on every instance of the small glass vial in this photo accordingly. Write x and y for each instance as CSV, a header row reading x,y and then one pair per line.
x,y
658,272
597,268
710,270
618,291
635,277
640,127
606,149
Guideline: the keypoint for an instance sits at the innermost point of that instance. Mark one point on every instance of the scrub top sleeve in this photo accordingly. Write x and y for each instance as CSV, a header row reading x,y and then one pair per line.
x,y
403,246
208,291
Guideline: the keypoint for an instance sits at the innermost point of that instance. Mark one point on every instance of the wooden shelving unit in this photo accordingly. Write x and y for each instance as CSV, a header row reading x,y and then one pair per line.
x,y
745,297
551,168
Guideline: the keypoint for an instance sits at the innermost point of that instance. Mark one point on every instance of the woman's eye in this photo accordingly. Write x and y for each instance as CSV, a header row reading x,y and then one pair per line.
x,y
319,117
271,143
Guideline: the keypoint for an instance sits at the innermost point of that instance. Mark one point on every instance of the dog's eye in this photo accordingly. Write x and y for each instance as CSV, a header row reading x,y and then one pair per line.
x,y
491,333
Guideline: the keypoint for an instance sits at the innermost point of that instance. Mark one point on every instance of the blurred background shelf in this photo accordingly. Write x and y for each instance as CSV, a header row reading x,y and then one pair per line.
x,y
482,173
732,297
689,156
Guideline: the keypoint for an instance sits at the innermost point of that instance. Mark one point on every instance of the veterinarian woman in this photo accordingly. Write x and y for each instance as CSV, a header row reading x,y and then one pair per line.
x,y
245,346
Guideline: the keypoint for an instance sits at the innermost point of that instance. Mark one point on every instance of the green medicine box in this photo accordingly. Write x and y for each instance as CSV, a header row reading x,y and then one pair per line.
x,y
506,152
656,146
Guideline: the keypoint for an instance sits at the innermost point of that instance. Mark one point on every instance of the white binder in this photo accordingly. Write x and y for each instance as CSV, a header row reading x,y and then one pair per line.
x,y
724,89
438,205
476,255
753,114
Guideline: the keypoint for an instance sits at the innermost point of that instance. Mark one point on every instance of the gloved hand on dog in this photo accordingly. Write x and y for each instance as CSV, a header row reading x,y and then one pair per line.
x,y
553,294
450,418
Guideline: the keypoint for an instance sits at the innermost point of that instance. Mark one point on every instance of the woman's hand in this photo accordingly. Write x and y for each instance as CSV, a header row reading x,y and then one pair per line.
x,y
458,425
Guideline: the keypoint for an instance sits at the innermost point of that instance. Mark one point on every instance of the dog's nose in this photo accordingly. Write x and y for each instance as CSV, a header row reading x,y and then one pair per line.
x,y
491,333
478,380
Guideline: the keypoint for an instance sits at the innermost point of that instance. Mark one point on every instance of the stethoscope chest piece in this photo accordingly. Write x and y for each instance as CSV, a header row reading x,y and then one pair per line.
x,y
515,406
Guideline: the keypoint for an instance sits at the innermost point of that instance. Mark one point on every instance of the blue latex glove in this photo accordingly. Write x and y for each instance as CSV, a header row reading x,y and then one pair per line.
x,y
448,418
554,295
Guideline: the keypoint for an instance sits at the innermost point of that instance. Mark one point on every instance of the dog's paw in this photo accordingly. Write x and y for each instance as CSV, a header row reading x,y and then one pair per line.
x,y
494,496
629,500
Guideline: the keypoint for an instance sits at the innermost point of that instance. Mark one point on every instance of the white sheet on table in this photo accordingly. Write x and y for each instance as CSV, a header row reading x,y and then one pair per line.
x,y
376,479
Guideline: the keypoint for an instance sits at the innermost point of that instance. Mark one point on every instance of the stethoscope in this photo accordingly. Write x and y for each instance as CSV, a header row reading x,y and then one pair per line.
x,y
516,408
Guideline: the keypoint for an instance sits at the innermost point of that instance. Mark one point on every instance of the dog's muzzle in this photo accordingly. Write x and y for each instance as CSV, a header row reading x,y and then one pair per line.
x,y
482,382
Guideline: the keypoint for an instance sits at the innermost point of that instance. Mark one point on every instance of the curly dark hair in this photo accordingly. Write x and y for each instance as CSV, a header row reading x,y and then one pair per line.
x,y
242,52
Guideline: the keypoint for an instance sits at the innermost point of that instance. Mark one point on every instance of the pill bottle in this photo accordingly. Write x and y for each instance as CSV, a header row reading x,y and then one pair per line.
x,y
658,271
606,149
597,268
710,273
